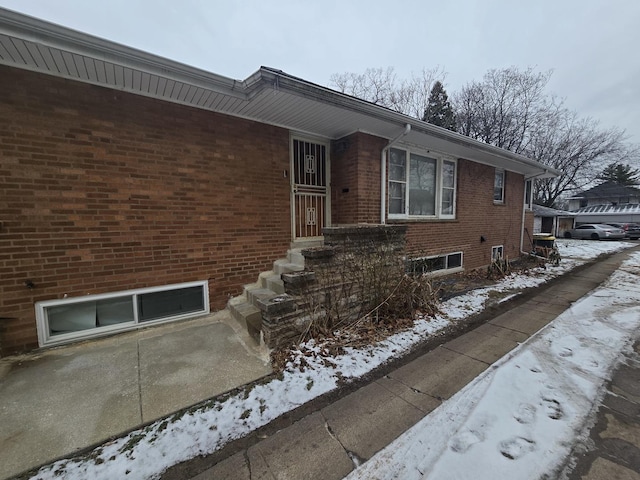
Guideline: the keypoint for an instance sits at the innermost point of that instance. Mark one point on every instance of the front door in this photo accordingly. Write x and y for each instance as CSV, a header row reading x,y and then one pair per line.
x,y
310,188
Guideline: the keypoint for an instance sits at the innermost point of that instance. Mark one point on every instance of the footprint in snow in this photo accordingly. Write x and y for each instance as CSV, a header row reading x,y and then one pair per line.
x,y
535,369
565,352
465,440
516,447
552,408
525,414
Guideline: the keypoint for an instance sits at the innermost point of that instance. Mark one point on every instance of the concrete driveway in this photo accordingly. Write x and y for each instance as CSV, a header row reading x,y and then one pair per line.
x,y
58,401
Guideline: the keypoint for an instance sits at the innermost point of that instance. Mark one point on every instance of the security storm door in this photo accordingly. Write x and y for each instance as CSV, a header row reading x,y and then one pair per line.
x,y
310,189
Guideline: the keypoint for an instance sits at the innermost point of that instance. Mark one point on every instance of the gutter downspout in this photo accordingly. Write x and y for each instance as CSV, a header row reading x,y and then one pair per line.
x,y
383,176
524,209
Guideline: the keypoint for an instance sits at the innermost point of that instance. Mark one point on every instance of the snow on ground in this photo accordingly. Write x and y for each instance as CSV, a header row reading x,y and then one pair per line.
x,y
526,393
519,419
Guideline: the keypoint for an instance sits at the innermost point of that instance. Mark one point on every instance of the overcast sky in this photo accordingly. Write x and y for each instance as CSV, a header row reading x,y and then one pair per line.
x,y
592,46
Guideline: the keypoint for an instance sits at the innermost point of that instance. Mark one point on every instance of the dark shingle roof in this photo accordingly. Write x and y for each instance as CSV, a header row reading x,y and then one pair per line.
x,y
609,190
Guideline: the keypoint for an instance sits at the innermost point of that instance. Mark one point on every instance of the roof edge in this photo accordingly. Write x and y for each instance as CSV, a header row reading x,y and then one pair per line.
x,y
53,35
279,79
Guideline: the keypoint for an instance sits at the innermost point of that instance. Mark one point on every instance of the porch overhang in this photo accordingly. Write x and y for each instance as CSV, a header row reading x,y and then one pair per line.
x,y
268,96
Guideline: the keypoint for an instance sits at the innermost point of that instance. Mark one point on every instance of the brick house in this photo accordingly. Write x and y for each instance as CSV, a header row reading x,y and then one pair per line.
x,y
137,190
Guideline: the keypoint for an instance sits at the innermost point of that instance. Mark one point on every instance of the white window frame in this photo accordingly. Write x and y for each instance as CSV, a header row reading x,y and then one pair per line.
x,y
528,196
440,161
495,186
46,339
442,271
494,252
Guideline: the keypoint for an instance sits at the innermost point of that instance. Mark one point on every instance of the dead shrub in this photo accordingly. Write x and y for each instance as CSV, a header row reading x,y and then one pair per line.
x,y
364,291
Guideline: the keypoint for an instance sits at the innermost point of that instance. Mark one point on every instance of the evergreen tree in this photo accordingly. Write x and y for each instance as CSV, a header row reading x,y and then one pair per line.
x,y
439,111
620,174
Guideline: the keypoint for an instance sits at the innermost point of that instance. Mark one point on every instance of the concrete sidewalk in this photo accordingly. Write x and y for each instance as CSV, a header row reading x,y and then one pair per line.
x,y
614,451
329,442
61,400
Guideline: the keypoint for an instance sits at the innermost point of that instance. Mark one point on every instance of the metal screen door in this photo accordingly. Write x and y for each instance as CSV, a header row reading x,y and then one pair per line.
x,y
310,188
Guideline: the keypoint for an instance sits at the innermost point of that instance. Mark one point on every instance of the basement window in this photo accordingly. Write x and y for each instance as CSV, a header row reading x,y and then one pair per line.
x,y
449,263
70,319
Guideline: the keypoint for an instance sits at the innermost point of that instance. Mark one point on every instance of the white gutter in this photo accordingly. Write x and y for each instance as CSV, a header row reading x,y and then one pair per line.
x,y
383,171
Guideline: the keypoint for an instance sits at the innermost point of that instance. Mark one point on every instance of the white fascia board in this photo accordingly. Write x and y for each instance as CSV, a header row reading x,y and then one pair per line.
x,y
458,144
51,35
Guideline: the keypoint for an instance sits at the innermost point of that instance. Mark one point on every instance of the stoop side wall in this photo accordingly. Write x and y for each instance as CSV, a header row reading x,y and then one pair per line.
x,y
357,170
102,191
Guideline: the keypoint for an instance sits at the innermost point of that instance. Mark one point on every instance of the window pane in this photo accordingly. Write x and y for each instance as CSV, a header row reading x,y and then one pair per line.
x,y
112,311
447,201
498,187
424,265
397,165
448,174
86,315
422,186
156,305
396,197
454,260
71,318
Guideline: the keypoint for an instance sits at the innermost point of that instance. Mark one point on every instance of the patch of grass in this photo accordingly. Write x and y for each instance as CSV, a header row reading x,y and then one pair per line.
x,y
132,442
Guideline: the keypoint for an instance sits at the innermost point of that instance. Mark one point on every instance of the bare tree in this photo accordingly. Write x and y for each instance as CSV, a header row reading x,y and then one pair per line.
x,y
577,147
510,109
382,87
504,107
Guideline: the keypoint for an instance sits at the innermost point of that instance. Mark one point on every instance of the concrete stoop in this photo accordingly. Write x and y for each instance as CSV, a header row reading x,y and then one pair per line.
x,y
245,308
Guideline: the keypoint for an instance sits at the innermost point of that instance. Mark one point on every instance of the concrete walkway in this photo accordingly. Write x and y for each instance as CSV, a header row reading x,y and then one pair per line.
x,y
58,401
330,441
615,438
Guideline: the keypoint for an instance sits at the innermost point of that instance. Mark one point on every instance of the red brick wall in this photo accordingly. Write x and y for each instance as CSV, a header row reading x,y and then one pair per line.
x,y
355,179
358,169
103,191
476,216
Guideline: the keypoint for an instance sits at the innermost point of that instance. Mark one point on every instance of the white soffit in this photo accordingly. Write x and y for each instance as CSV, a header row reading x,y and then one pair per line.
x,y
268,96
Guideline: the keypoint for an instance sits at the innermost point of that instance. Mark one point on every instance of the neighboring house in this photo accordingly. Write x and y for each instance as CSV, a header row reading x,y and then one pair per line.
x,y
550,220
136,190
608,202
607,193
621,213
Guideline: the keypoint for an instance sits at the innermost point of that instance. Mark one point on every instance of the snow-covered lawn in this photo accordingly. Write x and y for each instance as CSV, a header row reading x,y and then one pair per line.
x,y
531,391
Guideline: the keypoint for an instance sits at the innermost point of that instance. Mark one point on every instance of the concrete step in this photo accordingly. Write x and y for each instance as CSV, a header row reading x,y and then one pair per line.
x,y
244,309
271,281
254,294
295,256
285,266
248,316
